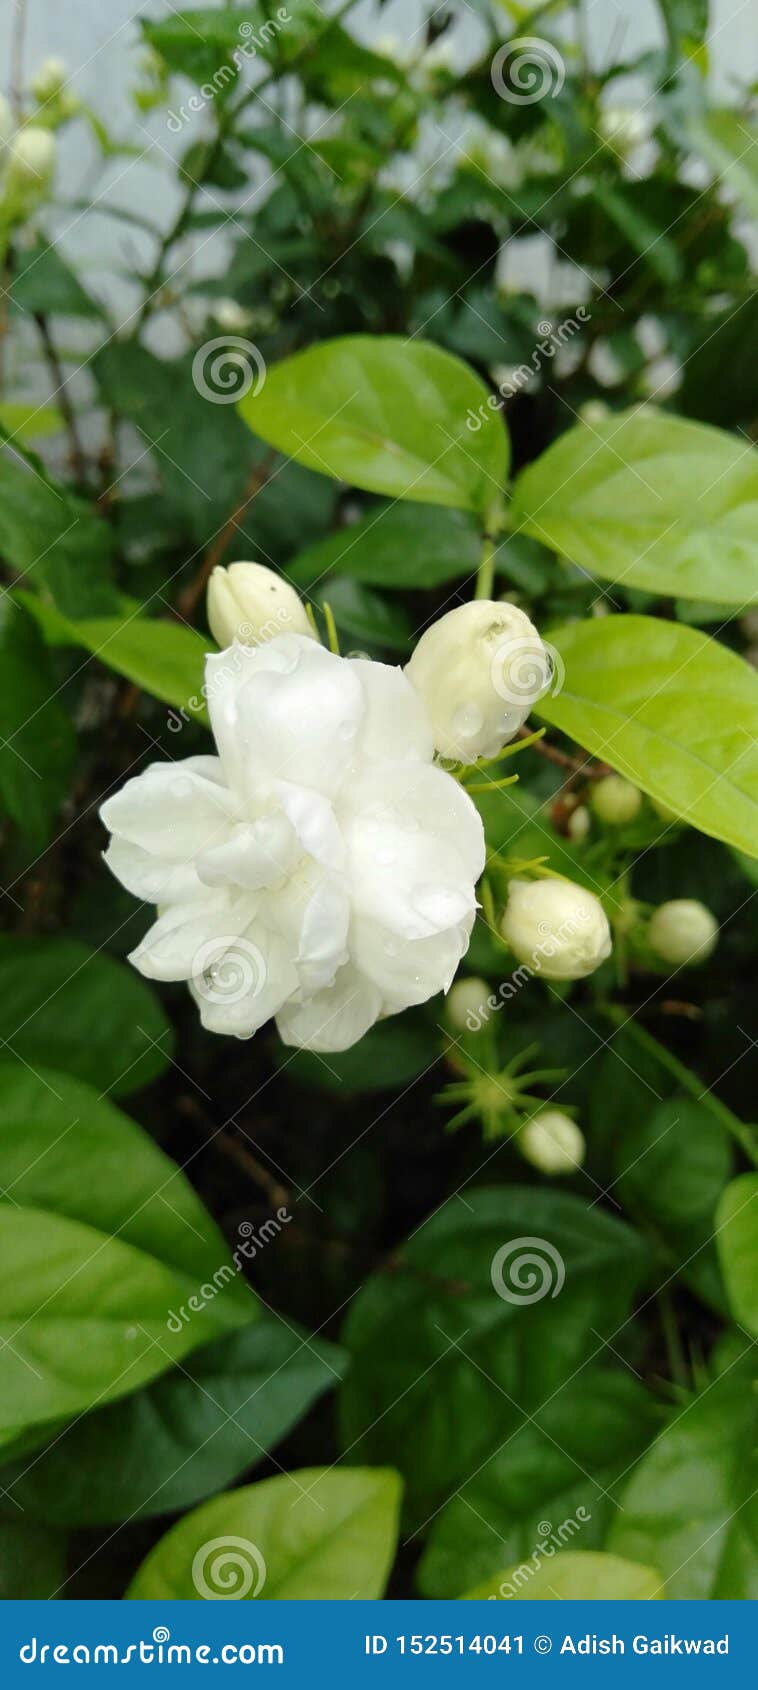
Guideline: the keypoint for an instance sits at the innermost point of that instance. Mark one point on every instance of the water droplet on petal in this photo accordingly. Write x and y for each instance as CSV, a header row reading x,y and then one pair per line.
x,y
467,721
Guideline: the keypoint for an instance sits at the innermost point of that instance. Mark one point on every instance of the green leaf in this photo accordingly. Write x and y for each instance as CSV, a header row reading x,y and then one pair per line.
x,y
386,414
323,1533
402,546
165,658
737,1239
546,1487
651,242
691,1507
53,539
81,1011
37,740
388,1057
103,1241
671,1167
30,422
185,1436
43,282
574,1577
32,1561
730,145
434,1344
672,710
364,616
650,500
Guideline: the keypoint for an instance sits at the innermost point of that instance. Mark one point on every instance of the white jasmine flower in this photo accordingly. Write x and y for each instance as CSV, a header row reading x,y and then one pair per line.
x,y
558,928
319,869
479,670
683,931
552,1142
252,604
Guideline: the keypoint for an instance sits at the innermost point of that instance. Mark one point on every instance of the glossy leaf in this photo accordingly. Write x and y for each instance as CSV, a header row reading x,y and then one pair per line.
x,y
385,414
737,1239
573,1577
691,1507
548,1487
324,1533
165,658
185,1436
37,743
102,1240
672,1164
435,1344
672,710
53,539
81,1011
652,501
402,545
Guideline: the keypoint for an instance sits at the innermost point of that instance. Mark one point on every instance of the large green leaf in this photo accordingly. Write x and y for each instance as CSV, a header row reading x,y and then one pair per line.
x,y
691,1507
43,282
37,742
403,546
573,1576
651,501
671,1167
434,1344
185,1436
669,708
737,1239
323,1533
550,1485
54,540
68,1007
166,658
111,1266
386,414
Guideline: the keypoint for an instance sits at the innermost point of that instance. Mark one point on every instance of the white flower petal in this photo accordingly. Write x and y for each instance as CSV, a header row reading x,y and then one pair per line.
x,y
152,878
407,972
244,982
395,727
287,710
172,809
170,948
333,1019
314,822
414,850
256,854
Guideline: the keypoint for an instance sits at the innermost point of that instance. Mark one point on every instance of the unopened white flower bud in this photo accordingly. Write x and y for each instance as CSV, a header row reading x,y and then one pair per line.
x,y
49,80
558,928
31,159
552,1142
252,604
578,824
683,931
466,1005
615,801
232,316
479,670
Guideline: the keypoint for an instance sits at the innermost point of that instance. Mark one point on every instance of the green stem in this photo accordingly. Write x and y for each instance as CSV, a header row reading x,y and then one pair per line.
x,y
687,1080
485,575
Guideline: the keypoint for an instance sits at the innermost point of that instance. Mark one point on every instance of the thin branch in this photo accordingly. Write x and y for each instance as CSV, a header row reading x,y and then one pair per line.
x,y
256,482
76,450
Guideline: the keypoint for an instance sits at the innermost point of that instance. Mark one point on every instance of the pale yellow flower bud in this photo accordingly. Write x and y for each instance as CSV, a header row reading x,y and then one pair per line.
x,y
560,930
615,801
479,670
466,1005
252,604
552,1142
683,931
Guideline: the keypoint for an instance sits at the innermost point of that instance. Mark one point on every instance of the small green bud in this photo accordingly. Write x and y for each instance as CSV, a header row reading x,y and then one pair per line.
x,y
683,931
615,801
